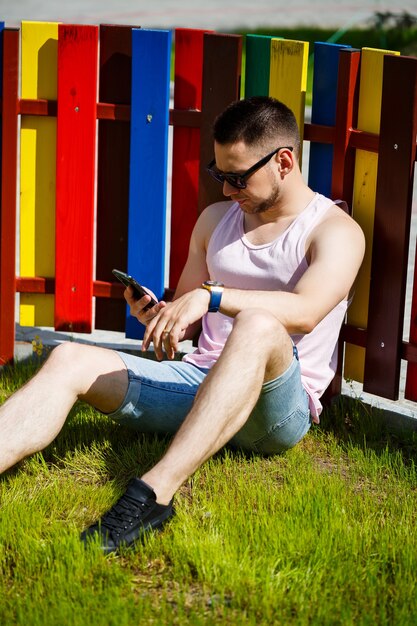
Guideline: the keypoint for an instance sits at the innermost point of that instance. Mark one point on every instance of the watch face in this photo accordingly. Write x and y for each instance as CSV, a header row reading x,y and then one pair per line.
x,y
213,283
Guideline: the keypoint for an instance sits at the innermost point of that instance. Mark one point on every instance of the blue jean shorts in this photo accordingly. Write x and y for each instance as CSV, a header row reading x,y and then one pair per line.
x,y
160,395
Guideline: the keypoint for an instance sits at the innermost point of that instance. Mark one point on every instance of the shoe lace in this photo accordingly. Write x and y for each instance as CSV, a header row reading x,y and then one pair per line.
x,y
124,514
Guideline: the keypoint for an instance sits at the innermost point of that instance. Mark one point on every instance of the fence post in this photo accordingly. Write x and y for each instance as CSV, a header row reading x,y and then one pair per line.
x,y
76,143
113,158
221,86
346,119
151,54
186,147
366,163
394,193
258,65
8,194
39,45
323,111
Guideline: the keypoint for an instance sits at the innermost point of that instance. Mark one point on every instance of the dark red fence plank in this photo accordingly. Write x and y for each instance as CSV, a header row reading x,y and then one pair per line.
x,y
392,227
76,137
221,86
344,160
113,169
8,194
186,147
346,118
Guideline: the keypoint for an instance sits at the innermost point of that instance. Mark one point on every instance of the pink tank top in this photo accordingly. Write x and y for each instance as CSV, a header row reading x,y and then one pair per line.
x,y
277,265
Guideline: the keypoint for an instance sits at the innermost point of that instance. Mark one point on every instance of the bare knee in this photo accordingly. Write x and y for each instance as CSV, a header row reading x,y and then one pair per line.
x,y
263,333
96,375
260,325
68,358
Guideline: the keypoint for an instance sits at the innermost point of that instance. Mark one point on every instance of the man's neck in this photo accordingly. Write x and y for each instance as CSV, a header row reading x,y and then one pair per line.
x,y
287,208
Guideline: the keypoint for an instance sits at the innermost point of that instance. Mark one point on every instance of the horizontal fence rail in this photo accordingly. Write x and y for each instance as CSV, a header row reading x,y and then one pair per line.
x,y
95,112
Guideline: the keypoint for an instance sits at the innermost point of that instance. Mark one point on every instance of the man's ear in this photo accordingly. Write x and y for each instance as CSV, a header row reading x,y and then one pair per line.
x,y
285,159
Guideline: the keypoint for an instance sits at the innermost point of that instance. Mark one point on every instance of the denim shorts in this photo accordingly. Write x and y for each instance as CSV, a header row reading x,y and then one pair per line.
x,y
160,395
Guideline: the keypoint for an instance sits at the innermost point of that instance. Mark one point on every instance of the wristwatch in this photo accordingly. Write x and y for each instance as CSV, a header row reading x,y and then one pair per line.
x,y
216,291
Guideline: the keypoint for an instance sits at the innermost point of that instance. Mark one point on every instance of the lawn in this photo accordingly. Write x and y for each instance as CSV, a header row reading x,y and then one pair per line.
x,y
325,534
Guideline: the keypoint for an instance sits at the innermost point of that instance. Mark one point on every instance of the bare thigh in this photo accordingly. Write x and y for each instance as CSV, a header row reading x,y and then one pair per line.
x,y
98,375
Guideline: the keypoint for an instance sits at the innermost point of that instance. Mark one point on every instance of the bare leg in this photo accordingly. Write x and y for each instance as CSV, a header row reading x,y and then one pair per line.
x,y
258,349
34,415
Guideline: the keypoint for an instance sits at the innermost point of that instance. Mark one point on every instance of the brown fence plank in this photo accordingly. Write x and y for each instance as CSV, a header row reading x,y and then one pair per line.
x,y
113,169
221,86
392,227
344,160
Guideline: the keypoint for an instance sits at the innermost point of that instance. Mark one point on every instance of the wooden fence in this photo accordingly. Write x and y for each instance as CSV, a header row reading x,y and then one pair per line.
x,y
93,194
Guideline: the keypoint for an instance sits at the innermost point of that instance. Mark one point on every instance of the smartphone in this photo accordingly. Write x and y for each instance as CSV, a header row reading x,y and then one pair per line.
x,y
138,290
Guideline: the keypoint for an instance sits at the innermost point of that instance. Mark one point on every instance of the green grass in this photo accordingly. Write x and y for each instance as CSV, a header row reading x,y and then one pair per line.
x,y
325,534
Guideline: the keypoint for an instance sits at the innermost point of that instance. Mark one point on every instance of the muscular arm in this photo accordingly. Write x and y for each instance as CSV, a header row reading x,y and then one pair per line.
x,y
336,251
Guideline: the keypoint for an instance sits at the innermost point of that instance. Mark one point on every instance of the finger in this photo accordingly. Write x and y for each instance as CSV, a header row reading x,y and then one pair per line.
x,y
171,338
173,341
161,336
154,333
167,342
135,304
150,314
148,334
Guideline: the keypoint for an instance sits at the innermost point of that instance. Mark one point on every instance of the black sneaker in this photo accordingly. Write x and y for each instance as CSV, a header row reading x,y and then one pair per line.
x,y
127,521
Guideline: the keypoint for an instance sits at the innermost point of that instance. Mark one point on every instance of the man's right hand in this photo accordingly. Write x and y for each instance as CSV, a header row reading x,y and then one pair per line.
x,y
137,306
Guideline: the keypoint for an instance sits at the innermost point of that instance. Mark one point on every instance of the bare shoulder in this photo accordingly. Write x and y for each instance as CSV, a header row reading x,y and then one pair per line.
x,y
339,224
209,219
337,236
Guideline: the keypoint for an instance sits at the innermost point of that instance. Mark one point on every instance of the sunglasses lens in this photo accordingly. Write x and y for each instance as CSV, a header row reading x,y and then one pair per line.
x,y
216,175
235,181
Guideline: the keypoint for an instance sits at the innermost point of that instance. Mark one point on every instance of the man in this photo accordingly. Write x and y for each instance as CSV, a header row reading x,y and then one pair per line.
x,y
268,275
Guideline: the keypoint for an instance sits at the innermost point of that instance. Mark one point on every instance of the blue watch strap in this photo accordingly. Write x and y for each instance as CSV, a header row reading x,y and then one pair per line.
x,y
216,291
215,299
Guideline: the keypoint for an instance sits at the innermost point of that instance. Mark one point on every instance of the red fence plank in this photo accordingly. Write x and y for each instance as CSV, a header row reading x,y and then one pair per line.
x,y
113,169
8,193
76,136
186,147
392,227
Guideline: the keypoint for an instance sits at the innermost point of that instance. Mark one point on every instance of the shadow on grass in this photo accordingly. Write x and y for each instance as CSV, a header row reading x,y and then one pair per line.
x,y
355,423
123,453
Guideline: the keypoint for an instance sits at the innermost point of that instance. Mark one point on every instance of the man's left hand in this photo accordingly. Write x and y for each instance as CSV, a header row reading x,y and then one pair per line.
x,y
168,327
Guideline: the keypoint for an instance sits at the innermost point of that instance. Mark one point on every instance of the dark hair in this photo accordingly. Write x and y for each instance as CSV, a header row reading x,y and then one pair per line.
x,y
259,120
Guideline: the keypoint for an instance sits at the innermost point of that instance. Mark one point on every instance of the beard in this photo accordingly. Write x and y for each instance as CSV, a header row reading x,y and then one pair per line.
x,y
270,201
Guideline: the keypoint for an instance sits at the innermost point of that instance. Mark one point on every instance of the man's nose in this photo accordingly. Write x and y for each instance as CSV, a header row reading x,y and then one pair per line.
x,y
228,189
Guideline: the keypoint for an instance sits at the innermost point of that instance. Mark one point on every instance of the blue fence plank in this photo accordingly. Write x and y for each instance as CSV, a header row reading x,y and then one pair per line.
x,y
326,66
151,53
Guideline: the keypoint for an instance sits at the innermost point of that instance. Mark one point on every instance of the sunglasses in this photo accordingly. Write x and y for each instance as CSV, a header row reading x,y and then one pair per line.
x,y
239,180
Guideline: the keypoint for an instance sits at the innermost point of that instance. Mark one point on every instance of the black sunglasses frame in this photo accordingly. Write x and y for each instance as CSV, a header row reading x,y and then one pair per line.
x,y
239,180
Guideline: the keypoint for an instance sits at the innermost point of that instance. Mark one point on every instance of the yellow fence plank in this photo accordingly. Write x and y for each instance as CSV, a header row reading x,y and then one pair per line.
x,y
288,76
364,193
37,169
